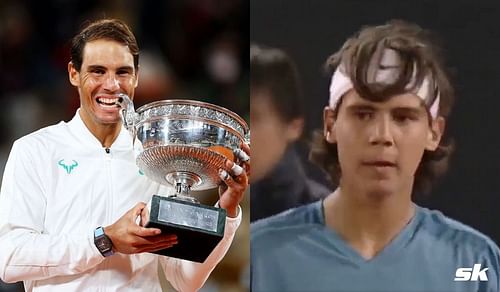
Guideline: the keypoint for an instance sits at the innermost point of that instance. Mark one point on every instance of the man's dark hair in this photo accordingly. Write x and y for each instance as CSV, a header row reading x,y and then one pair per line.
x,y
420,57
110,29
272,70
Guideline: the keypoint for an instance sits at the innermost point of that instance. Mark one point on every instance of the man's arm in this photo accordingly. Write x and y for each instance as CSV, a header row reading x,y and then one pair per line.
x,y
190,276
28,253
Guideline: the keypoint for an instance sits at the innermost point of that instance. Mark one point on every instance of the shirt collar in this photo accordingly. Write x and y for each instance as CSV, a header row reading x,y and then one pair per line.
x,y
83,134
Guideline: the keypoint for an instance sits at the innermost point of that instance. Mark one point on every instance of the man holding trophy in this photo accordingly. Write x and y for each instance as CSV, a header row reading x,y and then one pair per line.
x,y
73,212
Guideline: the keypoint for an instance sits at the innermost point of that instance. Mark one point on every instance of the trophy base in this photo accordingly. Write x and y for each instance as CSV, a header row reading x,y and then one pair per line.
x,y
199,228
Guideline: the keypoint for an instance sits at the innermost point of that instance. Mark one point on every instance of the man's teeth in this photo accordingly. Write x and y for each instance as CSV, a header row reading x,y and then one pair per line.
x,y
107,101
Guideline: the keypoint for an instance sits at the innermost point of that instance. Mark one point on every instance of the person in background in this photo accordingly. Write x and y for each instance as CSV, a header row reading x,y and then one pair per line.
x,y
279,181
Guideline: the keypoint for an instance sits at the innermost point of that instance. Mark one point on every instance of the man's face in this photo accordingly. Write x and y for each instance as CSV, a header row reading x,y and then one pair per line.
x,y
270,133
107,70
380,144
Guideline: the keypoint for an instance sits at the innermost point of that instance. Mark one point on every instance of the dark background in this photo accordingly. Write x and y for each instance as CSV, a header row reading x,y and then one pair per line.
x,y
470,33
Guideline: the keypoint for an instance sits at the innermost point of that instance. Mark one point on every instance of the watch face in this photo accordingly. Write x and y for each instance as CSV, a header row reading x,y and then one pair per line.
x,y
102,244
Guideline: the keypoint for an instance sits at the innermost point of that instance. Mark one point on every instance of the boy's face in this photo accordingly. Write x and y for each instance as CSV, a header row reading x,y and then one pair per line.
x,y
380,144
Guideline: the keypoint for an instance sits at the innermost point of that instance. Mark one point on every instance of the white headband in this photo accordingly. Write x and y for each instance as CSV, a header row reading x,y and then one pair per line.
x,y
386,72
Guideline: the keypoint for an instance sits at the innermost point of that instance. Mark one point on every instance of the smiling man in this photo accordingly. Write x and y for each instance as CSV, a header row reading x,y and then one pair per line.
x,y
72,194
382,143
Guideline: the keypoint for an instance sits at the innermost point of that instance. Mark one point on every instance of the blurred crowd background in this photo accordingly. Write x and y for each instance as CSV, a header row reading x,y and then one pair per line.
x,y
192,49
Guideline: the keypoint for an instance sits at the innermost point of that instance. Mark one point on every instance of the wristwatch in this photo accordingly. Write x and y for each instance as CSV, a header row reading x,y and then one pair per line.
x,y
102,242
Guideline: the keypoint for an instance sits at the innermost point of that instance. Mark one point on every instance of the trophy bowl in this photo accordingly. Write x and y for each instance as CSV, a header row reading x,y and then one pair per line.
x,y
184,143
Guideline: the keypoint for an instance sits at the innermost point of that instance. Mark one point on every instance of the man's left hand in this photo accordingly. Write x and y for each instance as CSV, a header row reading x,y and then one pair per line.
x,y
235,181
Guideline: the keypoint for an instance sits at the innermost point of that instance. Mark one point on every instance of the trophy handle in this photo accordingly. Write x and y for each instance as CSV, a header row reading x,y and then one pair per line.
x,y
247,138
128,114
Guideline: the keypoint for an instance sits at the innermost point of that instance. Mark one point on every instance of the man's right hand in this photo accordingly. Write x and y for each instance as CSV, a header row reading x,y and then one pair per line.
x,y
128,237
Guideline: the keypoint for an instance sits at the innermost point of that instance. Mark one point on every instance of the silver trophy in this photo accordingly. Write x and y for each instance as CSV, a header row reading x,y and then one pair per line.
x,y
184,143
